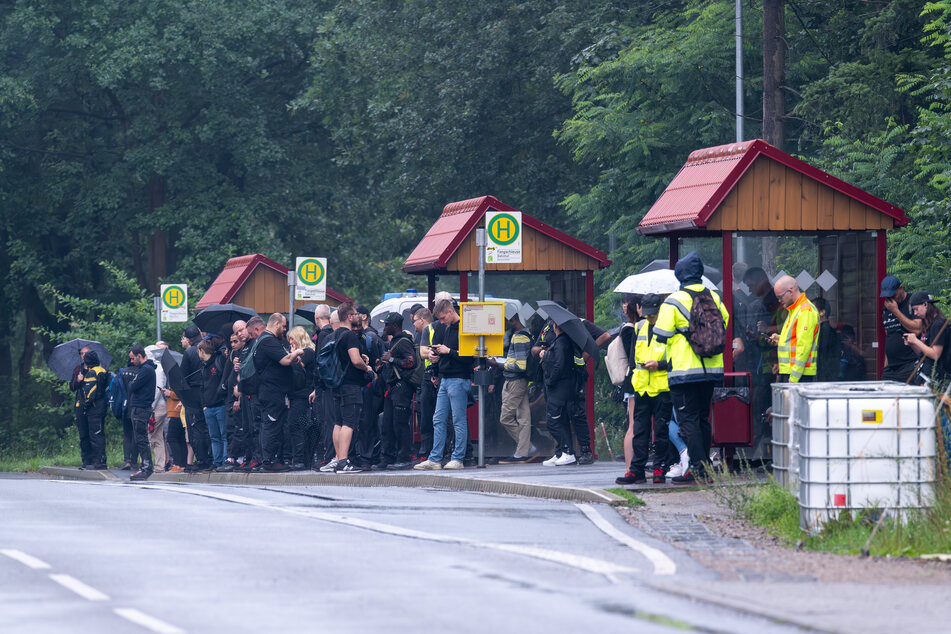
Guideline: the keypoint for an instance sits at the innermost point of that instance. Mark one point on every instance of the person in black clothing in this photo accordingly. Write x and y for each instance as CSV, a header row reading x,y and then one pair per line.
x,y
934,343
558,367
141,396
400,361
829,348
130,456
302,361
852,363
250,403
213,393
91,383
82,424
349,394
275,381
198,436
235,431
900,360
325,406
366,443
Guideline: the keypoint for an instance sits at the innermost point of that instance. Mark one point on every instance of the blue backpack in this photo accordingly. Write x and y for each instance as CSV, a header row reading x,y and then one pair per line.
x,y
117,395
329,369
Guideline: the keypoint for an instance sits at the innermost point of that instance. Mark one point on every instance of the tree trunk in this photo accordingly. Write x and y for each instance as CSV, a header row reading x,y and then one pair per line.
x,y
158,240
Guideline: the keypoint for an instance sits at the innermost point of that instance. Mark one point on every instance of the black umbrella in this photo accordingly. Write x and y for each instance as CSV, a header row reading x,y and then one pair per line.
x,y
572,326
171,364
307,312
65,357
218,318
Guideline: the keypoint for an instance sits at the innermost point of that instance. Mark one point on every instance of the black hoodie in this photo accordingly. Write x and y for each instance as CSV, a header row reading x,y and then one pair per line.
x,y
142,388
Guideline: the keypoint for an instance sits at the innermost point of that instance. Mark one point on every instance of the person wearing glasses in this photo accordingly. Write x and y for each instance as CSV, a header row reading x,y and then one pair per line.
x,y
799,336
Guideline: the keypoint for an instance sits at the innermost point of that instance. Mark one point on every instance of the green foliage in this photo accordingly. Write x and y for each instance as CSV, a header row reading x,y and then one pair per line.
x,y
631,500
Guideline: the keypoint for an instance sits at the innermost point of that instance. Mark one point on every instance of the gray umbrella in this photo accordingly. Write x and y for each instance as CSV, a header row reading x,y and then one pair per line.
x,y
572,326
65,357
218,318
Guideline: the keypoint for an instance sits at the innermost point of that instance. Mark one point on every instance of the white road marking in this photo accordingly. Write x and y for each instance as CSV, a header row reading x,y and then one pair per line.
x,y
148,622
80,588
26,560
663,565
597,566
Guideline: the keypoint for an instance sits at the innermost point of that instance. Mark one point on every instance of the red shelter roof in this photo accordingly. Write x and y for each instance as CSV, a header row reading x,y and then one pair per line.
x,y
457,222
237,271
710,174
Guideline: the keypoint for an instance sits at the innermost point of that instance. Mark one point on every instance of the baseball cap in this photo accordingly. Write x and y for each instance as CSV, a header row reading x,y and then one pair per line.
x,y
650,304
890,284
919,297
191,331
363,310
394,318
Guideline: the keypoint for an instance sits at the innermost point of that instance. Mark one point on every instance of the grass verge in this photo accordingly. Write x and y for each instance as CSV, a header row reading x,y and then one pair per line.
x,y
631,500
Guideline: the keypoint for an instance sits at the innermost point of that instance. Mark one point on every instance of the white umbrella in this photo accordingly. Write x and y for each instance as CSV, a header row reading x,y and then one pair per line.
x,y
660,282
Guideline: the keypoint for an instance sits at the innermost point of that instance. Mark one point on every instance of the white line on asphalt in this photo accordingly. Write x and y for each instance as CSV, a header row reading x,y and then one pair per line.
x,y
597,566
663,565
148,622
26,560
80,588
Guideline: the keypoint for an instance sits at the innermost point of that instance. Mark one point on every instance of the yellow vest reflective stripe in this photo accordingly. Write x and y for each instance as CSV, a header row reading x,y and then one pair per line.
x,y
797,340
431,332
646,381
673,322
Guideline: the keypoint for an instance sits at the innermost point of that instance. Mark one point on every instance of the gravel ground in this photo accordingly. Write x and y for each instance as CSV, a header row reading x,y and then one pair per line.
x,y
697,522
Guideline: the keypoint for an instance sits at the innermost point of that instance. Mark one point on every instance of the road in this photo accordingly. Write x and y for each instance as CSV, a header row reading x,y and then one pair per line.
x,y
163,557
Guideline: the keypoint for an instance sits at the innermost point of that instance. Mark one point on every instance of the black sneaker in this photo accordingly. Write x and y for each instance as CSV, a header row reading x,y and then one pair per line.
x,y
381,466
99,466
348,466
660,476
585,456
225,467
297,466
141,474
627,478
400,466
686,478
126,466
275,467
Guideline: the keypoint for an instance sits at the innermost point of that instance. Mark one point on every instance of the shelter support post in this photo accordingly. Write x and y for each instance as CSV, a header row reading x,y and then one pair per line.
x,y
880,253
589,391
673,251
727,296
463,287
430,290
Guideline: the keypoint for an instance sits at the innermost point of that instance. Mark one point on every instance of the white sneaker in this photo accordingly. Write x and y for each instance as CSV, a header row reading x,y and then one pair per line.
x,y
684,462
551,462
566,458
675,471
715,457
428,465
454,464
330,466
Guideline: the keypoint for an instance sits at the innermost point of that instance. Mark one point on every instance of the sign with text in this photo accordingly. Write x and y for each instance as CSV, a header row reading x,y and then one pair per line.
x,y
174,302
311,279
482,318
503,230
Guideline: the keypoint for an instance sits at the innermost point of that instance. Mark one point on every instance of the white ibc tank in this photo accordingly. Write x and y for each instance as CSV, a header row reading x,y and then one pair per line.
x,y
862,445
784,450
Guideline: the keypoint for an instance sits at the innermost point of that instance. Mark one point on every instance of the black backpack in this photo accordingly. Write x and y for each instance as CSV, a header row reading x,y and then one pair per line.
x,y
250,379
329,369
707,336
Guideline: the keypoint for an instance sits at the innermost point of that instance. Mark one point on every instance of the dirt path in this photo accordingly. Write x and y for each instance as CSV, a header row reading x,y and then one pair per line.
x,y
696,522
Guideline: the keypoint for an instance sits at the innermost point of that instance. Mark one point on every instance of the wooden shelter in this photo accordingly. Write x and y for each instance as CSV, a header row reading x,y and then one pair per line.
x,y
257,282
449,248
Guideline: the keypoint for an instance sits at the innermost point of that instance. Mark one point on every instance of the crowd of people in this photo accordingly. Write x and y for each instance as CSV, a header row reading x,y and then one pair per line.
x,y
347,398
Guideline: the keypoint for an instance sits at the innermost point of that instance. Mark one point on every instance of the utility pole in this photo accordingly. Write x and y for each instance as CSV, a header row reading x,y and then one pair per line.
x,y
739,71
774,102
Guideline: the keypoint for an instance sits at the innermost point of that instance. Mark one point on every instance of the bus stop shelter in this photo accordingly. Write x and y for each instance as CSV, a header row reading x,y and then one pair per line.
x,y
257,282
554,265
747,206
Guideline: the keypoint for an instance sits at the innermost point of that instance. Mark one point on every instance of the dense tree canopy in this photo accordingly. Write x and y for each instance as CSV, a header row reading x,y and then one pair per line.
x,y
164,137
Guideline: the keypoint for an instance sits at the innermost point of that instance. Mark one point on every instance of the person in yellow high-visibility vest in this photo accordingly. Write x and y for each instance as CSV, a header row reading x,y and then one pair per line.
x,y
799,337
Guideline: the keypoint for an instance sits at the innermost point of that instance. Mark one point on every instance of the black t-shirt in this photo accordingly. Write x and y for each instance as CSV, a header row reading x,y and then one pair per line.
x,y
939,368
453,366
896,352
275,378
309,359
347,340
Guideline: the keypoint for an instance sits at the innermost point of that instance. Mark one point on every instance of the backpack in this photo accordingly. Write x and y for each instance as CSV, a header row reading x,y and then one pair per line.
x,y
117,395
707,336
414,375
329,369
250,380
618,360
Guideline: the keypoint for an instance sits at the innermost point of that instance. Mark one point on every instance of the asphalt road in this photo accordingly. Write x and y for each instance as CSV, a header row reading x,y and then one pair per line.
x,y
162,557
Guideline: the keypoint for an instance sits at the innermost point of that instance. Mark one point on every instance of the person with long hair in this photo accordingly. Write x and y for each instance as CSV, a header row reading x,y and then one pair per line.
x,y
932,342
302,359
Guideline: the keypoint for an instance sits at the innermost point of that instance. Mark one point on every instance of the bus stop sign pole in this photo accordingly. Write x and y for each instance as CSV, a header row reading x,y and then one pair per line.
x,y
480,242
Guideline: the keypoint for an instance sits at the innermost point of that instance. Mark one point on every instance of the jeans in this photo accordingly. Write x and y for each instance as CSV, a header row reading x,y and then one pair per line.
x,y
674,434
217,420
452,397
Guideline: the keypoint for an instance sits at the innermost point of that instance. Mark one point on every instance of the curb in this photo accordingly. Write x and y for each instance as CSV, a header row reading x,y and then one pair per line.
x,y
406,480
74,473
